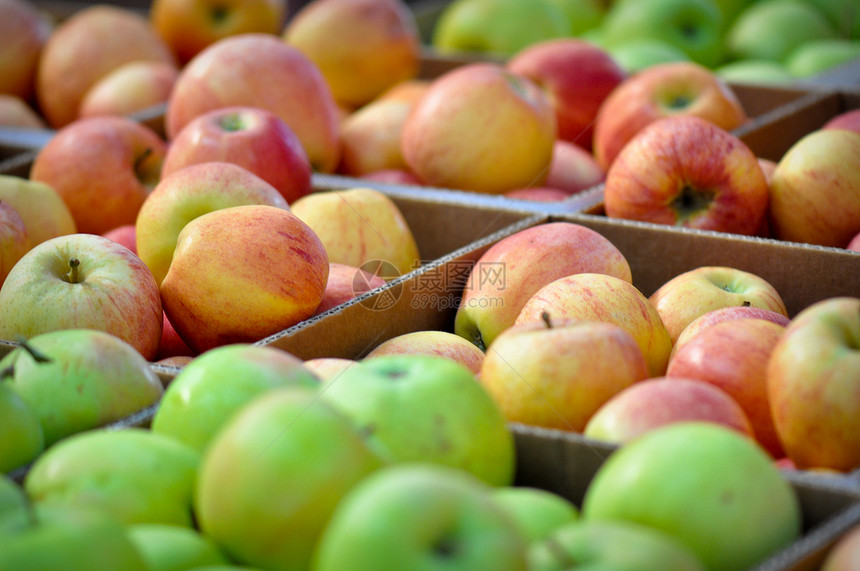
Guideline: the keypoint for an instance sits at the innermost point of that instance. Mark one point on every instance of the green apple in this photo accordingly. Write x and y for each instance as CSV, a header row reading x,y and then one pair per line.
x,y
755,71
420,517
502,27
133,474
583,15
273,475
21,437
597,545
78,379
56,537
636,55
759,32
843,14
206,393
429,409
174,548
694,26
12,497
816,56
537,513
706,485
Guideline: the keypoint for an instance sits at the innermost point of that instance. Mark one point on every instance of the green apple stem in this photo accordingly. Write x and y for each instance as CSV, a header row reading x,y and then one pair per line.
x,y
545,318
73,276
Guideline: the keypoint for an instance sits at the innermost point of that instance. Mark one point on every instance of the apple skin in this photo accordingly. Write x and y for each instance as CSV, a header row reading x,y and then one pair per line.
x,y
662,90
658,401
41,208
130,88
188,27
729,313
125,235
93,378
734,357
842,556
731,519
558,373
344,284
14,242
686,171
260,70
438,343
811,377
15,112
259,258
535,511
171,547
12,497
538,194
530,259
458,134
328,368
818,56
393,176
602,297
815,191
84,48
573,169
417,517
849,120
103,168
109,290
20,434
854,243
576,97
370,138
250,137
25,30
636,55
171,344
362,47
238,484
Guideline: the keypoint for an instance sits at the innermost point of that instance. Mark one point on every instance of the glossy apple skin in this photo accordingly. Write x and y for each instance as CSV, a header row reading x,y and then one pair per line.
x,y
343,284
686,171
25,31
130,88
573,169
662,90
577,97
440,343
260,70
103,168
85,48
251,137
729,313
460,133
812,378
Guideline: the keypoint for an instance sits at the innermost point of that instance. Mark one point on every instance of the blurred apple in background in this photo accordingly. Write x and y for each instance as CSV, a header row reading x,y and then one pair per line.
x,y
82,281
132,87
854,244
84,48
165,547
103,168
242,273
260,70
15,112
188,193
815,189
536,512
756,72
573,169
767,167
125,235
538,194
732,312
328,368
251,137
189,26
817,56
583,15
360,225
344,283
14,242
664,90
21,435
843,14
686,296
576,96
557,373
843,554
84,379
436,343
362,47
636,55
849,120
393,176
514,268
687,171
460,133
24,30
40,207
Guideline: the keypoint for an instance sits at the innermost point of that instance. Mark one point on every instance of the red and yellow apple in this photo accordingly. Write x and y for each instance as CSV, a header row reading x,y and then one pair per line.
x,y
436,343
130,88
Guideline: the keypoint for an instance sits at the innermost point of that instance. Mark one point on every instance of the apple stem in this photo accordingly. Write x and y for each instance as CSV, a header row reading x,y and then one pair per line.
x,y
73,276
746,303
36,355
545,318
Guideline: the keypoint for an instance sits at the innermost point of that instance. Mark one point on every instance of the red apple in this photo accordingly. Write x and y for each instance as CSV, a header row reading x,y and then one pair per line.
x,y
393,176
250,137
24,30
130,88
171,344
539,194
744,311
433,343
854,243
125,235
15,112
687,171
849,120
344,283
573,169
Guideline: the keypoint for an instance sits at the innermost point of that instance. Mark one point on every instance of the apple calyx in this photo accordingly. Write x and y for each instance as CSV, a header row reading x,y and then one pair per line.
x,y
690,202
231,122
446,547
544,316
219,14
746,303
74,275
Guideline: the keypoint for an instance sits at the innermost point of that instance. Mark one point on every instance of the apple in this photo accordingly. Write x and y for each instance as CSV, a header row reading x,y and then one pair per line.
x,y
176,361
436,343
662,90
729,313
756,72
854,244
84,48
536,512
21,436
393,176
843,14
559,372
207,392
583,15
499,28
686,171
362,47
130,88
538,194
576,97
242,273
344,283
260,70
171,547
458,135
12,497
517,266
328,369
817,56
188,27
660,401
103,168
250,137
25,30
125,235
289,431
811,375
573,169
419,517
14,242
690,294
768,166
693,26
815,192
636,55
596,544
758,32
729,518
360,225
849,119
604,298
370,138
171,344
187,194
842,555
40,207
15,112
